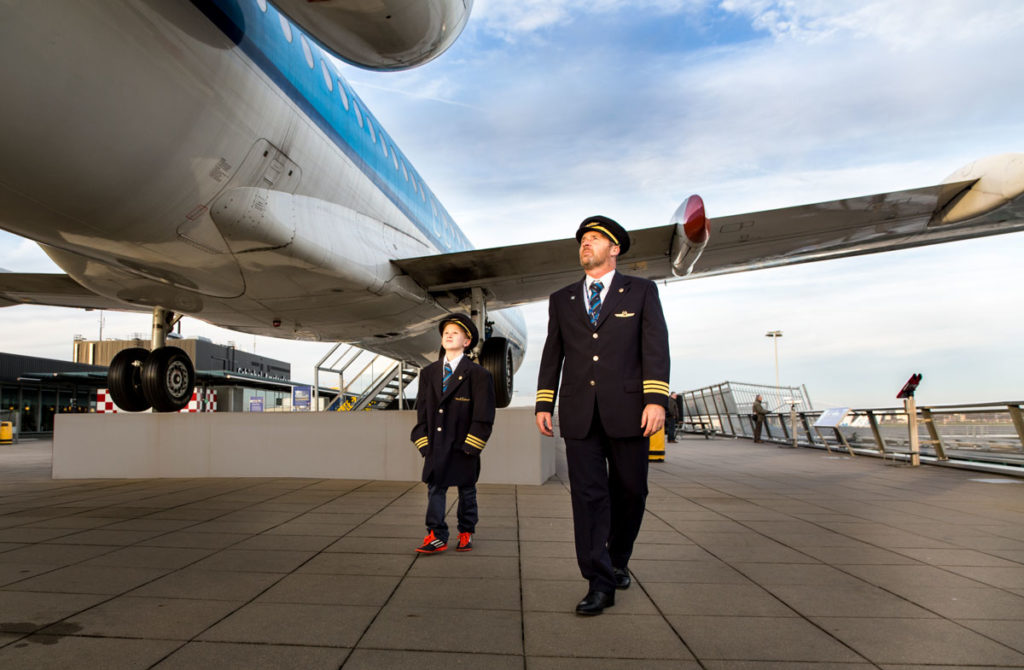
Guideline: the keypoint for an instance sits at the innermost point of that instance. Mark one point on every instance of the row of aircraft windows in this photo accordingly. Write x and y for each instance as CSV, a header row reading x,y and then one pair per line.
x,y
286,29
328,76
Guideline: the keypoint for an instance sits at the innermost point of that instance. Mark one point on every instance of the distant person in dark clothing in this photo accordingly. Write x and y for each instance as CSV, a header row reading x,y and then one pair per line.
x,y
672,416
759,416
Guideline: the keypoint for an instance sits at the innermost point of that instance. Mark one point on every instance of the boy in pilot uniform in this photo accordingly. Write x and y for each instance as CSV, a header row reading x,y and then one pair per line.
x,y
455,412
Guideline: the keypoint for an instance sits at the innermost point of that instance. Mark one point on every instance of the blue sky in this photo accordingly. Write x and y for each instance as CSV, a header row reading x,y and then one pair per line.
x,y
547,111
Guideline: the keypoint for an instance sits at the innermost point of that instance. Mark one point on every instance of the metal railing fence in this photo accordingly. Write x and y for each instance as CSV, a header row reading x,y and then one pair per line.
x,y
990,433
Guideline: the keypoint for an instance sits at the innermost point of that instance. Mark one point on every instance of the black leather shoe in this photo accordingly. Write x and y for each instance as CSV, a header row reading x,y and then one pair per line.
x,y
595,602
622,580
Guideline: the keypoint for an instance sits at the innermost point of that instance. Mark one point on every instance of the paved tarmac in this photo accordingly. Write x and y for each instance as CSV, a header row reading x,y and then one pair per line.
x,y
750,557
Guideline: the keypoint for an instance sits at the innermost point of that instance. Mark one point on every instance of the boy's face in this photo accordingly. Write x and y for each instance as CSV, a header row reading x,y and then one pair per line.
x,y
454,339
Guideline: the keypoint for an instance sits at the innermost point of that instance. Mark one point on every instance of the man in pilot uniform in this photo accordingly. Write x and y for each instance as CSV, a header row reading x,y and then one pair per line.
x,y
454,416
608,342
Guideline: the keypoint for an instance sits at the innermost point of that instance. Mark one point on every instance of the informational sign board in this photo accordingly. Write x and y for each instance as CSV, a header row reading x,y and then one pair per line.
x,y
255,404
832,418
301,397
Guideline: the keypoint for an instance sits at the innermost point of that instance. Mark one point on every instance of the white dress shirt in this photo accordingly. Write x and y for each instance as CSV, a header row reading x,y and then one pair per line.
x,y
606,282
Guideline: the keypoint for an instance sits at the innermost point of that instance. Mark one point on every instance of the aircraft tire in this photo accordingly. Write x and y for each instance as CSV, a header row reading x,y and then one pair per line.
x,y
496,357
168,378
124,379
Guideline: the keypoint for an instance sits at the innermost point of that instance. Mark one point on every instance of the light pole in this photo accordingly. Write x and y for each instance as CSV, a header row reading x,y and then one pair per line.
x,y
775,335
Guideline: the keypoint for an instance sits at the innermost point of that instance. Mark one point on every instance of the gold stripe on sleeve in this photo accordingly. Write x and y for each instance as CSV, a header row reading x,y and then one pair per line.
x,y
655,386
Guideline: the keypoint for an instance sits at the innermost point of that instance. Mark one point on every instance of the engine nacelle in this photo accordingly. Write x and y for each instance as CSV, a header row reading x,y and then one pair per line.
x,y
381,34
691,235
1000,181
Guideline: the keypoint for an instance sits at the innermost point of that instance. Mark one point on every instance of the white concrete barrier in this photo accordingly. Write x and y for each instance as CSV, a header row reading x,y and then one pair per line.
x,y
330,445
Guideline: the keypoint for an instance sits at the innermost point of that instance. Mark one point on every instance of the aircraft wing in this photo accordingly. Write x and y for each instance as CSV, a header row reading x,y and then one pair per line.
x,y
57,290
977,200
528,272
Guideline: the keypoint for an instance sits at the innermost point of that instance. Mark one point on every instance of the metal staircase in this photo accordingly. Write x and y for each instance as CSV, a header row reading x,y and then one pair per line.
x,y
365,380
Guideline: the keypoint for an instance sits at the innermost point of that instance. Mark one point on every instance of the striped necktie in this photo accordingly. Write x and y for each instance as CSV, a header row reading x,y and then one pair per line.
x,y
446,377
595,302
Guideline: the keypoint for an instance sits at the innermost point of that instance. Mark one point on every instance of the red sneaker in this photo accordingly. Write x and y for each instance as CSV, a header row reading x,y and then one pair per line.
x,y
465,542
432,545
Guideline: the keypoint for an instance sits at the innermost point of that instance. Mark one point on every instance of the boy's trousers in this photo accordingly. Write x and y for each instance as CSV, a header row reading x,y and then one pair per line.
x,y
437,502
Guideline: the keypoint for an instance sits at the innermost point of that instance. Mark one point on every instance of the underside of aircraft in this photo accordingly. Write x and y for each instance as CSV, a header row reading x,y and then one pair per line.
x,y
207,159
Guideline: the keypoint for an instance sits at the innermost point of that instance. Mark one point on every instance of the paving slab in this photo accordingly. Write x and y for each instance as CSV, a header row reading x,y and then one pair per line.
x,y
433,628
90,579
562,663
197,584
786,665
562,595
69,651
749,559
717,599
787,639
224,655
920,641
331,590
389,659
450,592
293,623
637,636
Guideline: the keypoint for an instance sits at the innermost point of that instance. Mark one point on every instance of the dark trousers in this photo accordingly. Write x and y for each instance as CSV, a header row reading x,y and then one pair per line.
x,y
437,503
758,425
608,480
670,428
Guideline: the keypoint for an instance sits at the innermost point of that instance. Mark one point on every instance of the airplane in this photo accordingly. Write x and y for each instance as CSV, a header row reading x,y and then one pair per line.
x,y
206,158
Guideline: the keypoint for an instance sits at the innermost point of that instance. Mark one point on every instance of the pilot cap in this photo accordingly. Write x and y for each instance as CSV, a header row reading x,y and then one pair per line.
x,y
610,229
463,322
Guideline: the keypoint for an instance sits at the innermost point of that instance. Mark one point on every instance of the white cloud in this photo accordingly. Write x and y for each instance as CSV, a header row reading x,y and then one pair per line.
x,y
511,19
906,25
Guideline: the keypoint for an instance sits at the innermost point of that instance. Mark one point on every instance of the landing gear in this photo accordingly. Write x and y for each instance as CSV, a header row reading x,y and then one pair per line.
x,y
496,357
496,352
162,379
167,379
124,379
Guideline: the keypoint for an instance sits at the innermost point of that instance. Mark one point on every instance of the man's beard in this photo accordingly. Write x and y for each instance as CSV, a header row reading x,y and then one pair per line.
x,y
594,261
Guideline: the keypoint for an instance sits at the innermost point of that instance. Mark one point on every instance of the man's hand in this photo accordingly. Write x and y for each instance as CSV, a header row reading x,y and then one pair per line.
x,y
544,423
652,420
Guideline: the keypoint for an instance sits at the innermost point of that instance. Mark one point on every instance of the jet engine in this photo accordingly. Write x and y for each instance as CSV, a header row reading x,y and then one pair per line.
x,y
691,235
381,34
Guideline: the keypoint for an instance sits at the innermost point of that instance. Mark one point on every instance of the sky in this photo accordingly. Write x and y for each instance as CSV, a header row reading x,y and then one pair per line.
x,y
547,111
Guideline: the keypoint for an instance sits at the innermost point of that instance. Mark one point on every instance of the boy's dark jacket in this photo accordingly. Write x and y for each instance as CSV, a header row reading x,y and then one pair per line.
x,y
452,428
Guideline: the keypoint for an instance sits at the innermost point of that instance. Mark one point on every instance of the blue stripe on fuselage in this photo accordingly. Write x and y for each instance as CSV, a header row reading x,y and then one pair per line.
x,y
260,35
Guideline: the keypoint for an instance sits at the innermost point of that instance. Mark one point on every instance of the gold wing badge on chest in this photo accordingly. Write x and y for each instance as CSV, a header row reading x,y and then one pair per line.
x,y
625,315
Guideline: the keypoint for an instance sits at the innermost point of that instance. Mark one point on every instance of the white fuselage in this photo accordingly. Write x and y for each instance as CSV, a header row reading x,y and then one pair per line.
x,y
213,162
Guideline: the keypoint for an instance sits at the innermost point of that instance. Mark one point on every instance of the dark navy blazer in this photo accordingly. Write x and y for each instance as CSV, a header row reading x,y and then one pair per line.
x,y
620,365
